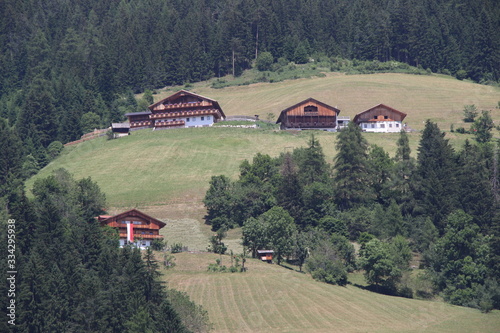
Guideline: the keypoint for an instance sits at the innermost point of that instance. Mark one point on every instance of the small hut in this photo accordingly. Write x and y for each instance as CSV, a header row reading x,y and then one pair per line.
x,y
266,255
120,129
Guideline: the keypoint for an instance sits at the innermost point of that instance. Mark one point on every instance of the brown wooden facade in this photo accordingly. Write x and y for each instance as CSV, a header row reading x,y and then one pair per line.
x,y
145,227
309,114
266,255
380,118
182,109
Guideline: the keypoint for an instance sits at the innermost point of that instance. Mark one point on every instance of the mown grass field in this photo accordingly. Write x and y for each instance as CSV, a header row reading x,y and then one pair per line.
x,y
270,298
166,174
437,97
150,168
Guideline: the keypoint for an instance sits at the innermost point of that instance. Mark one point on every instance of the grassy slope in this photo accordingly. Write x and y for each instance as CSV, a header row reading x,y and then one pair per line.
x,y
166,173
437,97
269,298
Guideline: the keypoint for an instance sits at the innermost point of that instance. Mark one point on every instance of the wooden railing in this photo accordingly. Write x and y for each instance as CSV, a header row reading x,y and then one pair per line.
x,y
169,123
182,105
184,113
140,123
144,236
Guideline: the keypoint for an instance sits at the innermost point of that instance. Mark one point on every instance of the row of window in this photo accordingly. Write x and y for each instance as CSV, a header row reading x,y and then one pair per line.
x,y
194,118
365,125
134,222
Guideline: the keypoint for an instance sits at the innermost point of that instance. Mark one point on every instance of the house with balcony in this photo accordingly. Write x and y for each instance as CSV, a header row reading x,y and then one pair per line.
x,y
182,109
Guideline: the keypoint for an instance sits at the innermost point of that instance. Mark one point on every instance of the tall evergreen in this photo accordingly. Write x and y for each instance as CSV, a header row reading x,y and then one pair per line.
x,y
351,179
436,176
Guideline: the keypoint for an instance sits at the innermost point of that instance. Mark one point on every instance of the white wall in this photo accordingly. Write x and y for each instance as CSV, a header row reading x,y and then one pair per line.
x,y
197,121
381,126
138,243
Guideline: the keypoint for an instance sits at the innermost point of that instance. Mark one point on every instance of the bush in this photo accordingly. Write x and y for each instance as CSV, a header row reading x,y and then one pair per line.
x,y
54,149
470,113
461,74
176,248
264,61
168,261
158,245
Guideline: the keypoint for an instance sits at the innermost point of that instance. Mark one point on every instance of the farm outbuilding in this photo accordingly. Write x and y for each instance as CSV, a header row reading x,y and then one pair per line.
x,y
120,129
266,255
309,114
380,118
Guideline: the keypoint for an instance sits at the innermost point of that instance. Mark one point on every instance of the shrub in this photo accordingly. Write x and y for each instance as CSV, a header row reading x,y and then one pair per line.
x,y
264,61
54,149
176,248
168,261
158,245
461,74
470,113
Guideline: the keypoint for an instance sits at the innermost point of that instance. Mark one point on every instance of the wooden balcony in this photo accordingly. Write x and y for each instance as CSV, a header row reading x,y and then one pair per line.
x,y
140,123
143,236
181,105
192,113
169,123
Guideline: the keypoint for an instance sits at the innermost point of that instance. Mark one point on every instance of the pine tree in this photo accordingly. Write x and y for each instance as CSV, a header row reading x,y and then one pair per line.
x,y
436,194
351,178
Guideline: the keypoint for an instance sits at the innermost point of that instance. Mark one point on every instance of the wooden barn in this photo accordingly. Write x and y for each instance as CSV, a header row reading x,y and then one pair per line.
x,y
134,227
309,114
380,118
182,109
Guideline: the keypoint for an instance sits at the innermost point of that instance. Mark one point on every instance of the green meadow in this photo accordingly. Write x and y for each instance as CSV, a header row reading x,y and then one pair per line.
x,y
166,174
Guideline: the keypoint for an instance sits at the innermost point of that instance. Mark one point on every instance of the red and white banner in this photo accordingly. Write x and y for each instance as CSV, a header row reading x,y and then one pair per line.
x,y
130,232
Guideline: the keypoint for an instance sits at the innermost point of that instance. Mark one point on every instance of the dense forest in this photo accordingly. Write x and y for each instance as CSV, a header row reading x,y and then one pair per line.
x,y
68,274
443,206
71,66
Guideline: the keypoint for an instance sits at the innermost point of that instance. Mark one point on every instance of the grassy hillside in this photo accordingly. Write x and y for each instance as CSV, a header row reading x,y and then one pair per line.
x,y
269,298
436,97
166,173
173,166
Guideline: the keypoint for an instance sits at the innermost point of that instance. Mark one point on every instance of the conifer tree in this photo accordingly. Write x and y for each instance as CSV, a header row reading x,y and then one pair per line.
x,y
351,167
436,194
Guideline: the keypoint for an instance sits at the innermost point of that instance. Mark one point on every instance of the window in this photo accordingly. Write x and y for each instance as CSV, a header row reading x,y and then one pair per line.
x,y
202,118
386,117
373,125
187,120
137,222
382,125
397,125
365,125
311,108
390,125
208,117
374,117
125,222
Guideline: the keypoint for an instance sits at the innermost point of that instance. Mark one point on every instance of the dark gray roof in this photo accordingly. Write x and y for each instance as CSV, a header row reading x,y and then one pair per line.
x,y
138,113
120,125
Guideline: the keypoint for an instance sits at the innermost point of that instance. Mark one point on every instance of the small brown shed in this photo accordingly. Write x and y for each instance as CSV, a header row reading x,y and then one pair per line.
x,y
266,255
